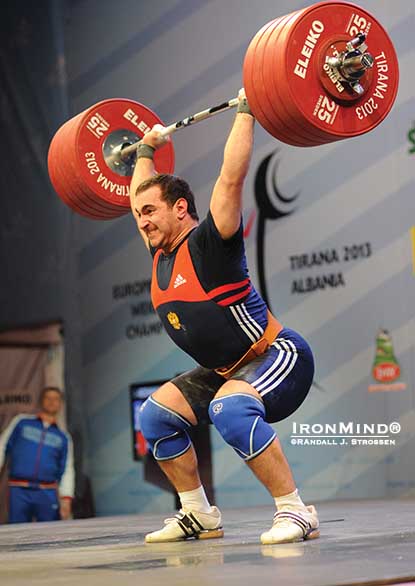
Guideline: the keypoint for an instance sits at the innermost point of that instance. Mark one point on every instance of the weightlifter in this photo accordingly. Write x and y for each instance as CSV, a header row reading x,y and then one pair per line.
x,y
253,371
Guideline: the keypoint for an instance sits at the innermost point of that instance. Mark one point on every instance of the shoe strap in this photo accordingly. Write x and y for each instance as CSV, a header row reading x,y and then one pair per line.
x,y
189,524
297,519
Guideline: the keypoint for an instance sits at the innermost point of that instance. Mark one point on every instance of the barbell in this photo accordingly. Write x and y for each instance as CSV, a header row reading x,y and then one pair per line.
x,y
309,78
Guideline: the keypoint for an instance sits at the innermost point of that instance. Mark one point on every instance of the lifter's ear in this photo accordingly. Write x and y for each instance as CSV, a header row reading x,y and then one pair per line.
x,y
181,208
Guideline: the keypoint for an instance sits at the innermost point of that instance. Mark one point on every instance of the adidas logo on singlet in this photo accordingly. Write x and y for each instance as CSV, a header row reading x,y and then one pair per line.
x,y
179,280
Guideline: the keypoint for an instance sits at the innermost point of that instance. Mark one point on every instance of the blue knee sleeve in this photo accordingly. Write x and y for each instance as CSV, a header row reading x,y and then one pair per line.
x,y
239,418
164,430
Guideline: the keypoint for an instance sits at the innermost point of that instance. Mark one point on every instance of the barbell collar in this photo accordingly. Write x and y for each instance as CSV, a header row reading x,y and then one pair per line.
x,y
357,42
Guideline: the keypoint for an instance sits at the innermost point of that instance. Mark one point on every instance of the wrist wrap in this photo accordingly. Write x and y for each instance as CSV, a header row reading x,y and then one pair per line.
x,y
243,107
145,151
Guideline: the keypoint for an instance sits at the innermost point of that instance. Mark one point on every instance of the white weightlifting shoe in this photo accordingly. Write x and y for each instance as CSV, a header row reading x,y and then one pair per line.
x,y
188,524
292,524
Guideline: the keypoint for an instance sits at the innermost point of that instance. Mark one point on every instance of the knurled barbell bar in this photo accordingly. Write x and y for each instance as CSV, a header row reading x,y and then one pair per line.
x,y
309,78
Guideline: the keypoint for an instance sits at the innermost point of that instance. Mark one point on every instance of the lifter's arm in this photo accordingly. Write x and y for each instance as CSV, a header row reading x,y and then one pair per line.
x,y
226,201
144,169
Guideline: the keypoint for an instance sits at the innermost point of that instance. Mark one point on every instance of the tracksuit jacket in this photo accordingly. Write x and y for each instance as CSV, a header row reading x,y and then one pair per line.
x,y
38,454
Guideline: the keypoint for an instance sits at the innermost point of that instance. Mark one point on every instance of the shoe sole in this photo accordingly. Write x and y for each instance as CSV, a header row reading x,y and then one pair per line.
x,y
314,534
205,534
210,533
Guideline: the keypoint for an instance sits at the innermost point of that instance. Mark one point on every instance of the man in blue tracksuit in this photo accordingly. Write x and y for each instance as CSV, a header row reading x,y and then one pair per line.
x,y
40,456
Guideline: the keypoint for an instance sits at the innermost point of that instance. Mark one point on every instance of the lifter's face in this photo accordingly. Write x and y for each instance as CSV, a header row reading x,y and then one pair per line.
x,y
156,218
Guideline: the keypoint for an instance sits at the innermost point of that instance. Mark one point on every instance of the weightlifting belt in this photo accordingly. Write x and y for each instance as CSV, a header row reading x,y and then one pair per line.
x,y
31,484
259,347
